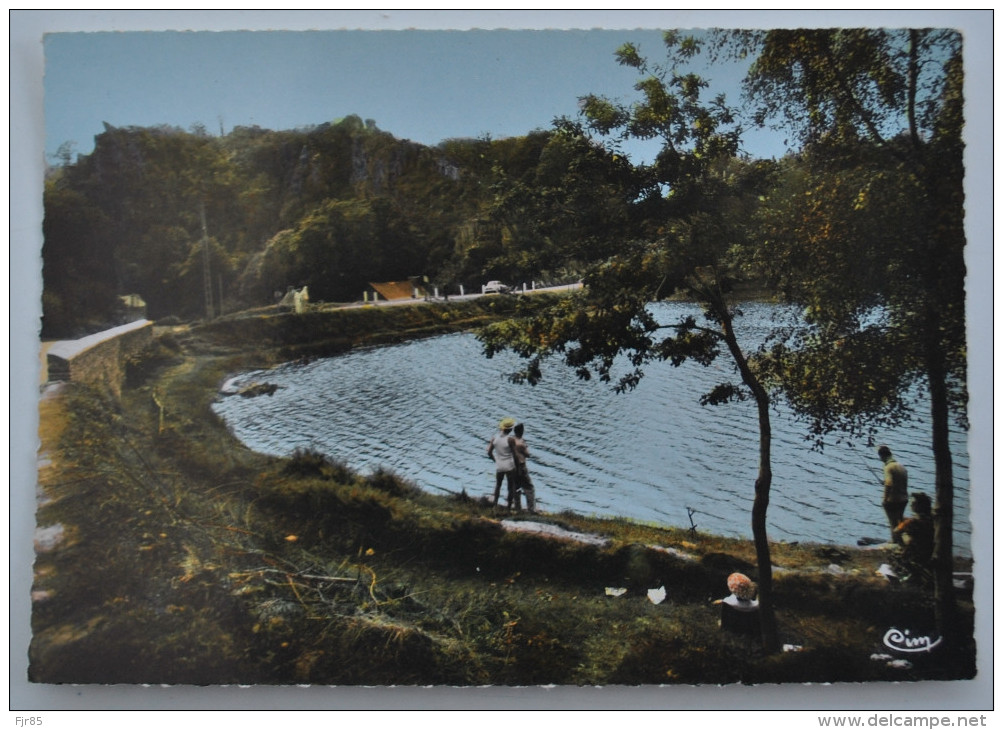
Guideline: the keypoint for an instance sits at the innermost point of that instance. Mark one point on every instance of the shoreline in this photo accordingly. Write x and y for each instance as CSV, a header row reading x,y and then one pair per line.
x,y
326,391
210,563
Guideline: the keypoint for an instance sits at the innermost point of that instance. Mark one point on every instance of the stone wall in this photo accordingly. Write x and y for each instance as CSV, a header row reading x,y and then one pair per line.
x,y
99,359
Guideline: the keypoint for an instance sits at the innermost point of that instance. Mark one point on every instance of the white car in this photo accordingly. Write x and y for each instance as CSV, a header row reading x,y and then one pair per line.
x,y
496,287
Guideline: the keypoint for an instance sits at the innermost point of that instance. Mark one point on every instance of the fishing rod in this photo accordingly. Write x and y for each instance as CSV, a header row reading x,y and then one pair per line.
x,y
871,468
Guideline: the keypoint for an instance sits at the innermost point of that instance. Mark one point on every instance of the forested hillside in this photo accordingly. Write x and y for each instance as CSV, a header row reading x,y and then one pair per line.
x,y
331,207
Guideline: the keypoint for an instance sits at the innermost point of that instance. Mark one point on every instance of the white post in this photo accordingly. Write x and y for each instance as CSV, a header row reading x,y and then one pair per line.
x,y
461,290
436,290
365,296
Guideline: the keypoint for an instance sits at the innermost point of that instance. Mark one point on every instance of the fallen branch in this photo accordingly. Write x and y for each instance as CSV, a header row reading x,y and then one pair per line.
x,y
308,576
227,527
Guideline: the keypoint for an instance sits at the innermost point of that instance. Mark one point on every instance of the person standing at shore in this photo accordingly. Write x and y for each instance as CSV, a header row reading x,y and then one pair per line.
x,y
523,483
501,448
896,494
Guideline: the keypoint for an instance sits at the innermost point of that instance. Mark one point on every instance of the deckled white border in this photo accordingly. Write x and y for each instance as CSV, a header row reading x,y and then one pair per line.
x,y
26,164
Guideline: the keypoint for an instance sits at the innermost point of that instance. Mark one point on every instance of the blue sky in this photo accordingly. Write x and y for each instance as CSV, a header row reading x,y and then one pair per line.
x,y
416,84
421,75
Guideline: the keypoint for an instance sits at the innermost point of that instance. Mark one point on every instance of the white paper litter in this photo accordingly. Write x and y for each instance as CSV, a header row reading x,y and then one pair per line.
x,y
656,595
886,570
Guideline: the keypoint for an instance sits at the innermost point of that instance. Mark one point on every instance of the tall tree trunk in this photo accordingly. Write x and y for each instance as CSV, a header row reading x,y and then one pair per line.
x,y
935,347
943,516
764,480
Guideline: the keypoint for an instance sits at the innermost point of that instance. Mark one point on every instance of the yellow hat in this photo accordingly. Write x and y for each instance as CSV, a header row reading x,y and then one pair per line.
x,y
506,423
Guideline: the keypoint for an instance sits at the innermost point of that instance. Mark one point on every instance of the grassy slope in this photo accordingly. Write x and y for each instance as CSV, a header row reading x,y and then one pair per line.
x,y
188,559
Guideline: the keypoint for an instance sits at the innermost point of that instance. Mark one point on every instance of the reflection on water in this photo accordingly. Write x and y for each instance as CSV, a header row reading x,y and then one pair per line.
x,y
427,408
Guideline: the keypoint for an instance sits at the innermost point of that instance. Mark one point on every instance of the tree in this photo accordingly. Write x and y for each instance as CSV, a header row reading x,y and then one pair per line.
x,y
77,264
366,205
571,204
690,237
880,114
150,184
336,250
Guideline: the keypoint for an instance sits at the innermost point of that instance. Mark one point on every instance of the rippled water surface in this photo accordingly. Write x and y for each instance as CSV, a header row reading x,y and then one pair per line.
x,y
426,410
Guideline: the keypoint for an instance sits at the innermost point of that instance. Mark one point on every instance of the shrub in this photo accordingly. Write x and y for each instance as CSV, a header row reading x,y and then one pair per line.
x,y
310,463
388,482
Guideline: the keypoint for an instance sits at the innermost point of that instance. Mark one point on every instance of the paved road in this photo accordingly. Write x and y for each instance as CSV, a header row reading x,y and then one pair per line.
x,y
44,374
458,297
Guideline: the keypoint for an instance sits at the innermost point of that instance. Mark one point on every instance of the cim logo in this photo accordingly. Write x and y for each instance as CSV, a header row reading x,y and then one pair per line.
x,y
902,641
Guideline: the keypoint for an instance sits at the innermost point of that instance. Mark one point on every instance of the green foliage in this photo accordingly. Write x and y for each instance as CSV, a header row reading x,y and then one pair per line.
x,y
882,109
73,254
332,207
700,253
865,230
387,481
335,250
311,463
850,84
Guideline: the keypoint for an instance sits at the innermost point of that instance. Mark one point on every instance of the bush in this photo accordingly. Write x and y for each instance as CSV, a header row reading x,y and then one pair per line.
x,y
388,482
310,463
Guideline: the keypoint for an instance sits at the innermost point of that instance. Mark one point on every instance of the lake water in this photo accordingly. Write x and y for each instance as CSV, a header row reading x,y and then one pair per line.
x,y
426,410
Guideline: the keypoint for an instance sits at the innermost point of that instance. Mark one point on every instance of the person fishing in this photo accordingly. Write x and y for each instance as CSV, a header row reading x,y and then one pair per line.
x,y
523,483
896,494
501,448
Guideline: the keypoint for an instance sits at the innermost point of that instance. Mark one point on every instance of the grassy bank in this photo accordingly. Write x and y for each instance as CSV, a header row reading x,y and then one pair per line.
x,y
185,558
